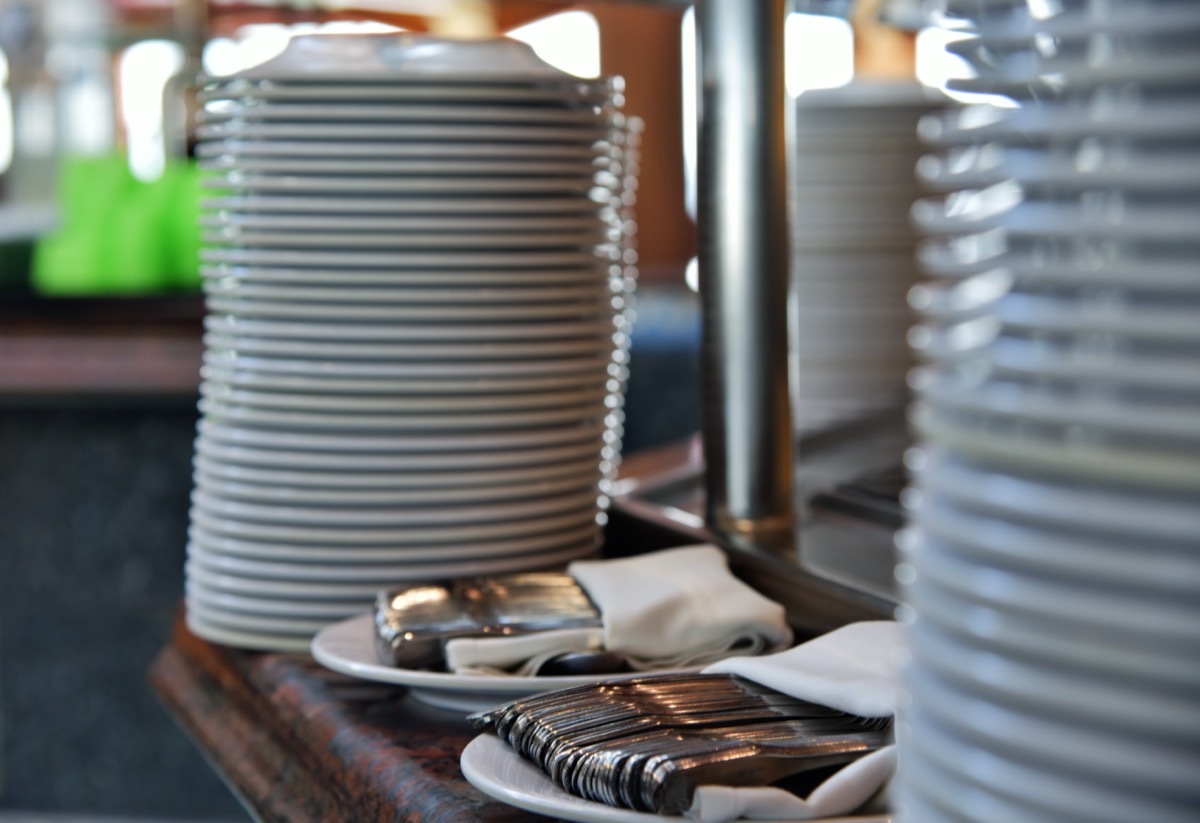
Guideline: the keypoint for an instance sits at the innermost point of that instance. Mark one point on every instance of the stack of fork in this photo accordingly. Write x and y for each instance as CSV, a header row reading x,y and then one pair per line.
x,y
647,743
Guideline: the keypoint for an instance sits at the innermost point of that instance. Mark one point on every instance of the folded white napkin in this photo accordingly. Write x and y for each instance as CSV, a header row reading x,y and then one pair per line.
x,y
853,669
674,608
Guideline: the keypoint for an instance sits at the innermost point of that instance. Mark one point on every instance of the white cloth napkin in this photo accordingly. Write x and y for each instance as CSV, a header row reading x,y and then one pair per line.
x,y
674,608
854,669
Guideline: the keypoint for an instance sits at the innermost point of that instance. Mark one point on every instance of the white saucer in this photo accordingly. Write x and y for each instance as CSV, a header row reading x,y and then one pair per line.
x,y
349,647
490,765
419,166
481,332
456,227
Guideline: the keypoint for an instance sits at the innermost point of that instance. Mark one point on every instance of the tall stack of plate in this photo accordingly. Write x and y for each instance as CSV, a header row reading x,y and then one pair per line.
x,y
418,276
853,244
1052,568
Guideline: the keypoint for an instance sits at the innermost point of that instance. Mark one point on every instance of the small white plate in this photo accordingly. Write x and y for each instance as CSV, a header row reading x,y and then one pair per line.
x,y
349,647
400,422
417,352
257,603
291,238
351,185
490,765
480,332
397,536
462,386
468,482
392,556
450,257
301,459
354,518
580,367
427,444
404,167
598,291
243,639
350,403
408,89
428,112
375,206
456,227
553,557
490,132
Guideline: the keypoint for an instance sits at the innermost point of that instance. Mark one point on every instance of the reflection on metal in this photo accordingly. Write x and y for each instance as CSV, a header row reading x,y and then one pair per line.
x,y
742,222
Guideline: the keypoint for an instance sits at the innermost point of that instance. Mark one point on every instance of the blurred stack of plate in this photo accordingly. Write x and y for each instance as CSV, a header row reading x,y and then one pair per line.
x,y
1052,567
417,278
853,244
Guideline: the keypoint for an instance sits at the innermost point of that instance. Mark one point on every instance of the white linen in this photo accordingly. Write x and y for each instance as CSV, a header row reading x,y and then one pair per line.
x,y
853,669
669,609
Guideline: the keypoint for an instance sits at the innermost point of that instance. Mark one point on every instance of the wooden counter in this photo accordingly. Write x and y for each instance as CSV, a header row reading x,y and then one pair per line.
x,y
298,742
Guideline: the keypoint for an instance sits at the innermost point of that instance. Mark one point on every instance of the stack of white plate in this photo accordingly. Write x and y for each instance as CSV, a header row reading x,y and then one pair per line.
x,y
417,279
853,244
1052,567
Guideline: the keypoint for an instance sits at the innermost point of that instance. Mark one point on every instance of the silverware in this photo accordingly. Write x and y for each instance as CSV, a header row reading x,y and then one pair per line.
x,y
646,743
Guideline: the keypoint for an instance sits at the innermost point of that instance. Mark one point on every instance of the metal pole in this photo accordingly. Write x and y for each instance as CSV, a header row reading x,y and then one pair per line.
x,y
743,245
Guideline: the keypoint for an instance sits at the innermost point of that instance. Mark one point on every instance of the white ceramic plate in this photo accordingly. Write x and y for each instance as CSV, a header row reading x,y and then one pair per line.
x,y
396,57
586,310
395,241
423,333
349,403
428,112
301,459
384,517
243,639
418,352
584,432
553,557
450,257
349,647
198,591
274,494
404,167
397,536
598,291
425,206
462,386
456,226
409,89
468,482
491,766
580,367
389,555
351,185
489,132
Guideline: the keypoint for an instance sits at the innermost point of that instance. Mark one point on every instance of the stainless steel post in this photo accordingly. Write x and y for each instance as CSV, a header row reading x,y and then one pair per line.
x,y
742,223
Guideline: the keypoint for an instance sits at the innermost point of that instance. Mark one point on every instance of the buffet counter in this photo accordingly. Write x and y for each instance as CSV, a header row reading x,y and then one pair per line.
x,y
298,742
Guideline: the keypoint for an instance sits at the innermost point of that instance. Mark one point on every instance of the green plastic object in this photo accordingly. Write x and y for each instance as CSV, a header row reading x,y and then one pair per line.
x,y
119,235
